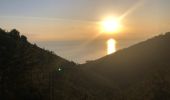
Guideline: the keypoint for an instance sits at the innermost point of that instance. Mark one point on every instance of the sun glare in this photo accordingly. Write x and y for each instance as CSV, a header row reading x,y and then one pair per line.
x,y
111,25
111,46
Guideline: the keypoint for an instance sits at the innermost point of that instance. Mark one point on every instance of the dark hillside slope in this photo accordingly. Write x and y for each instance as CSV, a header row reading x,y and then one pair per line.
x,y
142,71
26,71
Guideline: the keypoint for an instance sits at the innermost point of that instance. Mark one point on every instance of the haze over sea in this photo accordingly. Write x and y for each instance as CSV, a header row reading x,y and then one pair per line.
x,y
75,51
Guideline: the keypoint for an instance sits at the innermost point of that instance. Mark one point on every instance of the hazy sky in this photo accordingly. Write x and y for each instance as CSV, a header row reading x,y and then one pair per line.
x,y
49,21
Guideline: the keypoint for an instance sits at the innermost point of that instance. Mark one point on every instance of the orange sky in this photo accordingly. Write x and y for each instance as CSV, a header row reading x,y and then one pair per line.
x,y
140,18
72,20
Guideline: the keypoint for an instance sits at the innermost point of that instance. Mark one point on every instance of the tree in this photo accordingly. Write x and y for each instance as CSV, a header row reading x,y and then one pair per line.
x,y
2,31
15,34
23,39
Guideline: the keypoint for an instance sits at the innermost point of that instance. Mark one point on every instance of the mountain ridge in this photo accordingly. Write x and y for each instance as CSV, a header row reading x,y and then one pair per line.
x,y
140,72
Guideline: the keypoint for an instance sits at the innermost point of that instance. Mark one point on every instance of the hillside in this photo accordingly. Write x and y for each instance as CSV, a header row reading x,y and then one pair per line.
x,y
26,71
140,72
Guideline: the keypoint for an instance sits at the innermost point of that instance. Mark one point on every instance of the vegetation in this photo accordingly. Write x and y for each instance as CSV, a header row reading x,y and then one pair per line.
x,y
140,72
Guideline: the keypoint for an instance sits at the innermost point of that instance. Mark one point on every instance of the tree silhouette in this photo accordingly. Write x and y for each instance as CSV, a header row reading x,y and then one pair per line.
x,y
23,39
15,34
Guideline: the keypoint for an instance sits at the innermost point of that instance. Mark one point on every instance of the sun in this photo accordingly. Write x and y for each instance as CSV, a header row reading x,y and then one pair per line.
x,y
111,25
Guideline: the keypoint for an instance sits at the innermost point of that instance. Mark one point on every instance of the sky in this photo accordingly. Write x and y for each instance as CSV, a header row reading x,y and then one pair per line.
x,y
70,28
